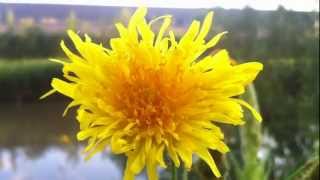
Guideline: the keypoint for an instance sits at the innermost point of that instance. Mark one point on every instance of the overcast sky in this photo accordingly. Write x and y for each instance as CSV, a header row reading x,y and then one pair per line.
x,y
298,5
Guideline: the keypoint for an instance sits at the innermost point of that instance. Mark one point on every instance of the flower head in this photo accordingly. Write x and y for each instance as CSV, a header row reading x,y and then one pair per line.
x,y
150,94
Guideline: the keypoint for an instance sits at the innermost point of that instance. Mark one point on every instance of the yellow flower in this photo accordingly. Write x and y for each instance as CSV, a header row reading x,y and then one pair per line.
x,y
150,94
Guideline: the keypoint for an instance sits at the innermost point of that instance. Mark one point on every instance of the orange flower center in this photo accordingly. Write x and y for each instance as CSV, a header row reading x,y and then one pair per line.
x,y
150,96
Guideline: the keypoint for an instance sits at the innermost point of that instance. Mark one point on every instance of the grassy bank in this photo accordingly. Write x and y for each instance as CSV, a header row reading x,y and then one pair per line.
x,y
26,79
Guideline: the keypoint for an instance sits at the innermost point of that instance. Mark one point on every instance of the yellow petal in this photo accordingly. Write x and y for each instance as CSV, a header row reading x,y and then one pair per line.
x,y
206,156
138,162
147,145
79,44
190,34
230,90
136,17
82,135
48,93
70,105
108,129
206,26
215,39
253,111
186,156
63,87
172,39
118,144
220,60
146,33
58,61
222,118
159,156
152,171
248,71
123,32
173,155
99,147
84,118
128,174
166,23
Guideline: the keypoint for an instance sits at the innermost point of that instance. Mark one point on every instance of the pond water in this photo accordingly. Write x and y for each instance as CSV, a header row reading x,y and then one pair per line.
x,y
37,143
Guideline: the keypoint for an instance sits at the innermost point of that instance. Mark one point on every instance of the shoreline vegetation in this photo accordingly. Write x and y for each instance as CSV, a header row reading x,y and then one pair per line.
x,y
24,80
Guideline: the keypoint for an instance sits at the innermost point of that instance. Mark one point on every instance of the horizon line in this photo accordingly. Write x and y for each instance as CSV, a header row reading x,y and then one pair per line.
x,y
153,6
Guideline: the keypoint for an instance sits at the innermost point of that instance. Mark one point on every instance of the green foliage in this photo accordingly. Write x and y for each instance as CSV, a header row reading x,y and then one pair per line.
x,y
32,43
252,34
309,170
289,98
269,34
25,79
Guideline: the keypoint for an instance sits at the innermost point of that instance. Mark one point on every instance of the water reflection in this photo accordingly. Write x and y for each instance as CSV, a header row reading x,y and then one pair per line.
x,y
36,143
55,163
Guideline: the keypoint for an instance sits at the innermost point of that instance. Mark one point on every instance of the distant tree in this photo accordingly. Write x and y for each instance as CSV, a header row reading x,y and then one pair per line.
x,y
10,19
72,20
124,15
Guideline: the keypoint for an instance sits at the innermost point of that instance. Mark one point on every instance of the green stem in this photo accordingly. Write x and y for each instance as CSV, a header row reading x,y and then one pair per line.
x,y
174,175
184,174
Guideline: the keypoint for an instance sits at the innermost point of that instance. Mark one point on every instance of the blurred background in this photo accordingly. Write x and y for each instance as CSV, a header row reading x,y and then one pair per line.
x,y
37,143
